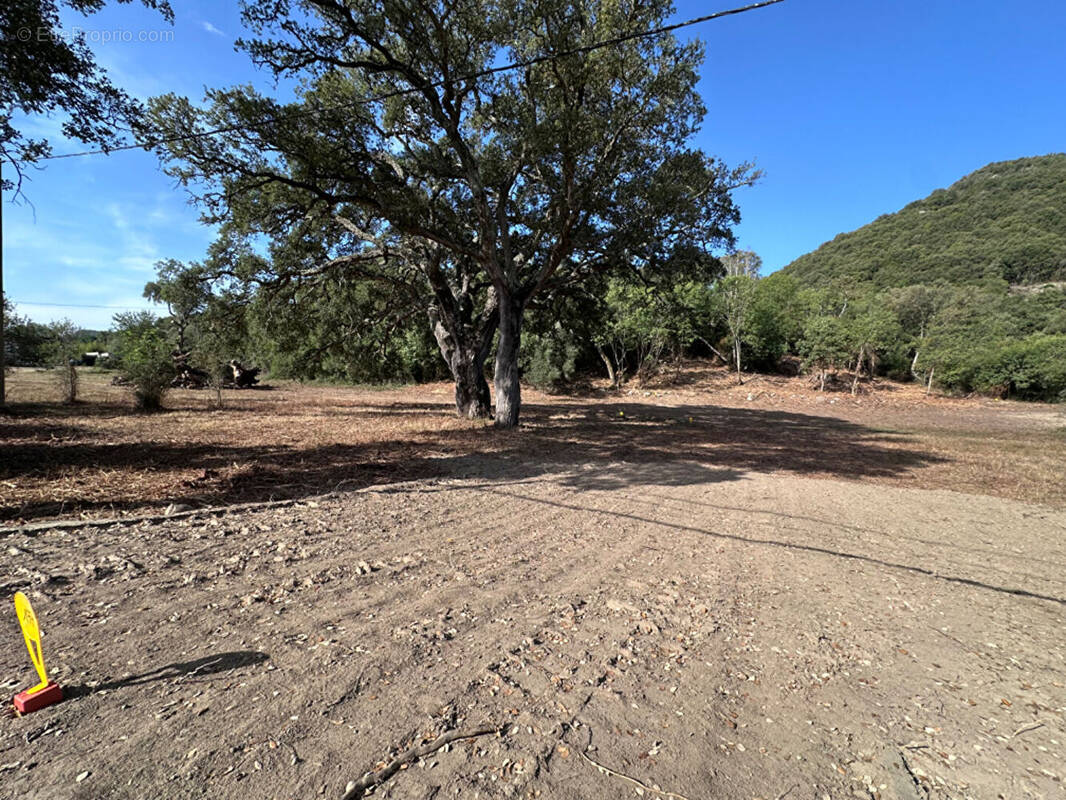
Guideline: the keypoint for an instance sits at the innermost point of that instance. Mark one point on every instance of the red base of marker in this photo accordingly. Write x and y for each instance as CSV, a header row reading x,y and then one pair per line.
x,y
49,695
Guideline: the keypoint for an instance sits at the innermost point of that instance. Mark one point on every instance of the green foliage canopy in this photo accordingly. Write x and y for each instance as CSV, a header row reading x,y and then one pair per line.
x,y
146,358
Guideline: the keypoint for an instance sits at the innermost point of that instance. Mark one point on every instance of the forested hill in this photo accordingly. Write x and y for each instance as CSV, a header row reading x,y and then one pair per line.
x,y
1006,220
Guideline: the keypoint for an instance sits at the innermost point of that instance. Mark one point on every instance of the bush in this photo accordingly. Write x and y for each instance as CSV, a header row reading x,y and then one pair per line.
x,y
1031,369
824,346
418,356
549,360
66,378
147,360
774,321
61,351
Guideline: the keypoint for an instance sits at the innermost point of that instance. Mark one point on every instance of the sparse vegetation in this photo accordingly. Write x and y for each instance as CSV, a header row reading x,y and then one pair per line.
x,y
299,438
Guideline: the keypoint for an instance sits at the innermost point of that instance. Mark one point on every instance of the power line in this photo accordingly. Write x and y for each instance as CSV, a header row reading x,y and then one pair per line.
x,y
401,92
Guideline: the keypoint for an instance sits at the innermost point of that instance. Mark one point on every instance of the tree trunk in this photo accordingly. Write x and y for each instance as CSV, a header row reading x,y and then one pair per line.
x,y
821,376
611,374
472,399
736,355
929,383
506,378
714,350
914,364
465,348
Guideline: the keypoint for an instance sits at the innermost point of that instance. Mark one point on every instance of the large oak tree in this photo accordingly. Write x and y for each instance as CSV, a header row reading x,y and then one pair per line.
x,y
468,193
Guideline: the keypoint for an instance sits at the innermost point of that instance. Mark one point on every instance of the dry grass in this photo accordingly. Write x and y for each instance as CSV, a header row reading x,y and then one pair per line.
x,y
99,458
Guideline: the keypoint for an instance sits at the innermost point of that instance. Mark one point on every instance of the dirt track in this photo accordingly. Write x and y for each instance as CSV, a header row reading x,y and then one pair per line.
x,y
712,633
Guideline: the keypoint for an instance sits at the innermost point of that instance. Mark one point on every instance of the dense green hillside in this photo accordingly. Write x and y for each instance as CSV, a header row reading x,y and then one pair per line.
x,y
1006,220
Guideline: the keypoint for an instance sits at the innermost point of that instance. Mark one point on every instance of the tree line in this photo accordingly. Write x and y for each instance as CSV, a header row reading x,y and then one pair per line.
x,y
981,338
984,338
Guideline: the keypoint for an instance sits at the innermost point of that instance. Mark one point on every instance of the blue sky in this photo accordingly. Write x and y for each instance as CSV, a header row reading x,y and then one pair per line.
x,y
852,108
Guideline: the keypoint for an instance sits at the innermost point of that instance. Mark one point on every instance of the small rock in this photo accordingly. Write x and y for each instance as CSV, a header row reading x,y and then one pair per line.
x,y
81,776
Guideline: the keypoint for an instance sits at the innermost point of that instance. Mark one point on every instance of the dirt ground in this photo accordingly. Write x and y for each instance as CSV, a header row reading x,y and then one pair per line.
x,y
98,459
691,591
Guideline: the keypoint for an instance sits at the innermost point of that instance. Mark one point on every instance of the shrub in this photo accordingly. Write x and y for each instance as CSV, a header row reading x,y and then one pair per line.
x,y
1033,368
61,350
550,359
147,360
66,377
824,346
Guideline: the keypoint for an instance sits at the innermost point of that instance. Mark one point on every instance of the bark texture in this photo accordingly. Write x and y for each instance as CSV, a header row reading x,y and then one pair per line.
x,y
506,377
464,339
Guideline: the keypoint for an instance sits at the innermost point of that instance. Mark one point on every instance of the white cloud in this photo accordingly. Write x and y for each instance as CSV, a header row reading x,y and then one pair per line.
x,y
139,250
104,260
118,216
207,26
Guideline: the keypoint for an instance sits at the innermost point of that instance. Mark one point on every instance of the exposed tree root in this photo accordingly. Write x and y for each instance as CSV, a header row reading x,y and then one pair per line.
x,y
372,779
650,790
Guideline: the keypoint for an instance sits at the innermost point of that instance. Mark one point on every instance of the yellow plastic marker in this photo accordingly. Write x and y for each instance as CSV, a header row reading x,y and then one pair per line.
x,y
31,632
45,693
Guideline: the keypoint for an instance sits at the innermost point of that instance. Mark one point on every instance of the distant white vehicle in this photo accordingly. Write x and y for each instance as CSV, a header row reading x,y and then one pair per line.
x,y
90,359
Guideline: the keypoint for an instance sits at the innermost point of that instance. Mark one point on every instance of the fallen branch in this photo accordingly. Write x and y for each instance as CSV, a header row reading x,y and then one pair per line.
x,y
634,781
360,787
1032,726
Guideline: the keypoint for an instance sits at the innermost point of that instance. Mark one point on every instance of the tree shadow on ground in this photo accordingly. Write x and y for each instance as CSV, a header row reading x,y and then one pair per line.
x,y
819,549
183,670
590,445
860,531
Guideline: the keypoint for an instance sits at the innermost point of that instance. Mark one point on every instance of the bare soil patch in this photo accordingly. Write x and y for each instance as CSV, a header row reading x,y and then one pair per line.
x,y
679,592
765,637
